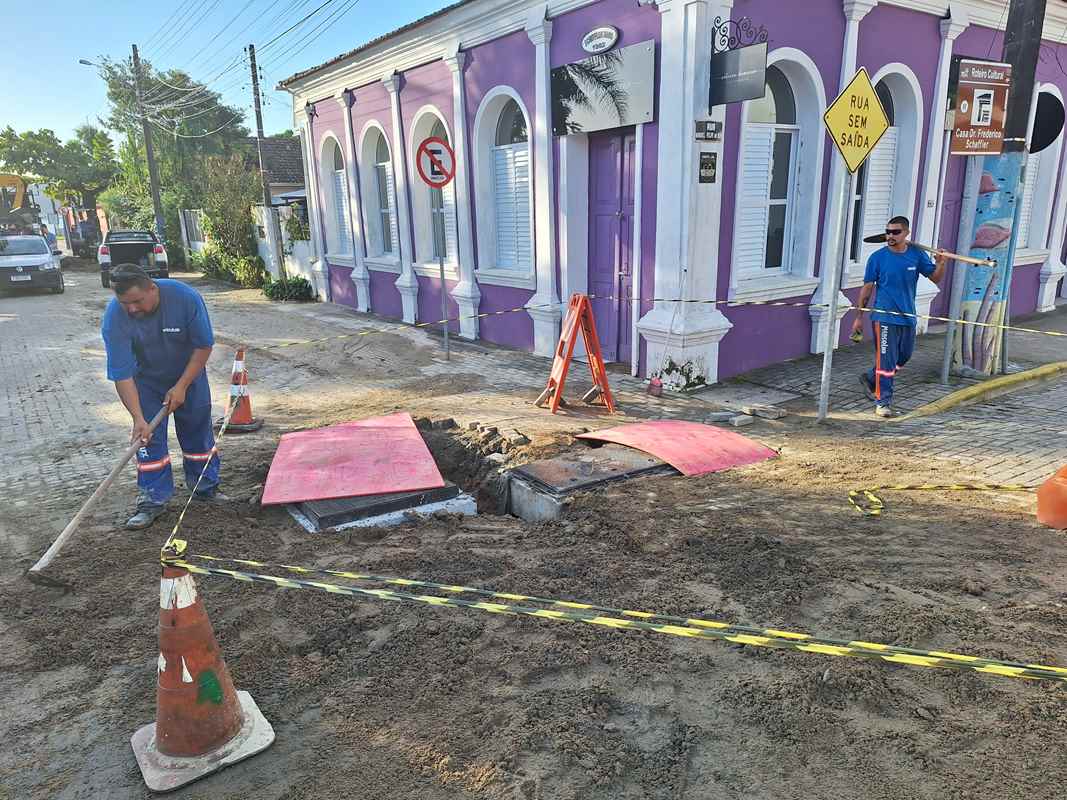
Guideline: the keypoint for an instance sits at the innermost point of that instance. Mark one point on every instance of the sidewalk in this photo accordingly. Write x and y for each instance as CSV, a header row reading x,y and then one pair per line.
x,y
918,383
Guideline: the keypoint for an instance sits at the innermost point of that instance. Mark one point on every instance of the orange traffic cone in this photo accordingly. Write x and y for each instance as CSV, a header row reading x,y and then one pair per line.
x,y
241,421
202,725
1052,501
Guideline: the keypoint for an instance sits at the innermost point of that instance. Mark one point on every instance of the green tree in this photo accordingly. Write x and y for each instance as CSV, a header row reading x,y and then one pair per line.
x,y
230,190
73,172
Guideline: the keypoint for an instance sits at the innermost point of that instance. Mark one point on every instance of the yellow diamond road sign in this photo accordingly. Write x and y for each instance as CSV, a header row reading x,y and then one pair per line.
x,y
856,120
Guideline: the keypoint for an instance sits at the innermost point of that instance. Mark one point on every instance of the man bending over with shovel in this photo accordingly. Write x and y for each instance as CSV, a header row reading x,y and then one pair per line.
x,y
158,339
892,276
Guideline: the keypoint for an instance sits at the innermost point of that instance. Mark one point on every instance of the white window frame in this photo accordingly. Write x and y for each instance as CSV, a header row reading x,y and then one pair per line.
x,y
425,262
485,123
377,258
810,97
909,120
1036,247
338,241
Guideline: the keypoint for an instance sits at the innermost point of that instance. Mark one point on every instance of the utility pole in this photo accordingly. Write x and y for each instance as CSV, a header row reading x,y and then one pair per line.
x,y
259,126
150,153
270,217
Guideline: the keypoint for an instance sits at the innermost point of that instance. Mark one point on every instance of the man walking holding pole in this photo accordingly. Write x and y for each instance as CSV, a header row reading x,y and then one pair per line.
x,y
890,279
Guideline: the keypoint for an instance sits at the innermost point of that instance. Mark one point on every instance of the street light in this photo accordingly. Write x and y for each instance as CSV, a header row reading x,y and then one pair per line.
x,y
87,62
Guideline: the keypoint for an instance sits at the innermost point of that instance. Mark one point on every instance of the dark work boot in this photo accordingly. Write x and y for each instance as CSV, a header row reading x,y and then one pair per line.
x,y
147,513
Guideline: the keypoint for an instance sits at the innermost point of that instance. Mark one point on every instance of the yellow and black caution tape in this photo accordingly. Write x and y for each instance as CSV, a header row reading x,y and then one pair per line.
x,y
602,616
873,506
727,303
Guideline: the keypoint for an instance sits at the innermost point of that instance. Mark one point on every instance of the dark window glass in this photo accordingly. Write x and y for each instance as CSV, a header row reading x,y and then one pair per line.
x,y
775,236
886,97
783,151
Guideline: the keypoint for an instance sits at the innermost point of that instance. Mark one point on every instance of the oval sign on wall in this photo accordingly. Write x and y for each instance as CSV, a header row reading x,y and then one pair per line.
x,y
600,39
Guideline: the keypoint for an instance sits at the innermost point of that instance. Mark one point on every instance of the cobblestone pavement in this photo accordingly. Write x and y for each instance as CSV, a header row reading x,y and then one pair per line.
x,y
60,421
1017,438
919,381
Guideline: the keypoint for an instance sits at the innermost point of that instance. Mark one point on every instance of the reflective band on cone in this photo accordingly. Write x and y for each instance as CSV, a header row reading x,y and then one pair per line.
x,y
202,724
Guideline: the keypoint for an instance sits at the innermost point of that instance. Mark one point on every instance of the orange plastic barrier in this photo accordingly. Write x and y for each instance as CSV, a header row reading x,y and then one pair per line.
x,y
1052,501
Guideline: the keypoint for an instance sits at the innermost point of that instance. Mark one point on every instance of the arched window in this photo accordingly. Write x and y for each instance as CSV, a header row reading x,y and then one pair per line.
x,y
338,228
433,209
503,188
511,189
442,210
379,196
873,200
1039,187
768,180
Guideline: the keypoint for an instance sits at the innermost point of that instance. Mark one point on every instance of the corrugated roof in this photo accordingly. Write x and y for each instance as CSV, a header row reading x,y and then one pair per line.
x,y
337,59
281,158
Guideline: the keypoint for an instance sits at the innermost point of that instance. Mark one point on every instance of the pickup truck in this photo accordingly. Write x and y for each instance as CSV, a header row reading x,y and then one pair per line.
x,y
142,248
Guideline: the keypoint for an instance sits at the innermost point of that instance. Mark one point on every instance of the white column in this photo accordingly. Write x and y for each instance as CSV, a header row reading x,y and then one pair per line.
x,y
360,277
928,210
926,224
1053,269
407,284
320,275
466,292
687,212
832,234
544,306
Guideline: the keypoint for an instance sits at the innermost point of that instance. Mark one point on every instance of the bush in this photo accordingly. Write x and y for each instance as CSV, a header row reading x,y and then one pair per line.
x,y
247,271
289,289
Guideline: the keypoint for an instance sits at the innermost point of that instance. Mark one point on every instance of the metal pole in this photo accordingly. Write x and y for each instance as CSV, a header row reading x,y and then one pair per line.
x,y
150,153
835,290
441,271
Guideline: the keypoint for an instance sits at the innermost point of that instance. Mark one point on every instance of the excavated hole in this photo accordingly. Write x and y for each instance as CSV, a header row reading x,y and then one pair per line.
x,y
465,460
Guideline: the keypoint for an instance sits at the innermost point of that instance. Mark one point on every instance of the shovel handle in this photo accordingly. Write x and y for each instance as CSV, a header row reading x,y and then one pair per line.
x,y
72,526
981,262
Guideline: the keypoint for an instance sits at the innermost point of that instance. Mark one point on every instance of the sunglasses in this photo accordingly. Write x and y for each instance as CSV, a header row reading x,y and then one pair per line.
x,y
894,231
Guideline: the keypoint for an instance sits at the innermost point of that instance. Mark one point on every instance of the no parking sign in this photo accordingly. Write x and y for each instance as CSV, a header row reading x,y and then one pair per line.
x,y
436,162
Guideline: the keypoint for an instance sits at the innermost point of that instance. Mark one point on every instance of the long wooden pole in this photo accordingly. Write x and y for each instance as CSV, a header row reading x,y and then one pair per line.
x,y
34,573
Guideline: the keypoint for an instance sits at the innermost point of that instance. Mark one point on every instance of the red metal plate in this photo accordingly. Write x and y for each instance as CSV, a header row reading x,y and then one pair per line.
x,y
354,459
689,447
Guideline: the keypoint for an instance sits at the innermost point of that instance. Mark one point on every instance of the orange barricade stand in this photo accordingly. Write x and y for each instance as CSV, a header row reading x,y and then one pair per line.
x,y
579,315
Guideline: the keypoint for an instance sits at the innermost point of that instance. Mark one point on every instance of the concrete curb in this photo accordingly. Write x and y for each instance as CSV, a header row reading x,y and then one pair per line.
x,y
980,391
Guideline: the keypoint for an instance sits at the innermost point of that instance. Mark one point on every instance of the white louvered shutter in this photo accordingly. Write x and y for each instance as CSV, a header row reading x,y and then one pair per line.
x,y
521,188
1026,211
340,205
390,194
750,227
511,195
448,199
878,193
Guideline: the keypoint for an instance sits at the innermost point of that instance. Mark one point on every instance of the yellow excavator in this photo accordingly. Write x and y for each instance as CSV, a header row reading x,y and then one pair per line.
x,y
18,212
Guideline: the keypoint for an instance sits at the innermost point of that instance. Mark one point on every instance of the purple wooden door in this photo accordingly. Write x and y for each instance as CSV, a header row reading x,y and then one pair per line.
x,y
611,236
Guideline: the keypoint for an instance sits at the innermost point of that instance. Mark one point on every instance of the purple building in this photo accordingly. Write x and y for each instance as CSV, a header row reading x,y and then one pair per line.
x,y
579,170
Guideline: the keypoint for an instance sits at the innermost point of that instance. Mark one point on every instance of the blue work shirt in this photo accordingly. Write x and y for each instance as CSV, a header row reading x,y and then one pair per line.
x,y
895,276
156,349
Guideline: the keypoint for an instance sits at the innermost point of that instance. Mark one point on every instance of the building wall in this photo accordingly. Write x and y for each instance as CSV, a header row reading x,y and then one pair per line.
x,y
761,334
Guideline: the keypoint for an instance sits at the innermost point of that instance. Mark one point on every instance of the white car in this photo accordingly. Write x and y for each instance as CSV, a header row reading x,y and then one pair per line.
x,y
29,262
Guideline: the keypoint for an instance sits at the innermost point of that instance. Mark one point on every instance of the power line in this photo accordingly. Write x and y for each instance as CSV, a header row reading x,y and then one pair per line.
x,y
315,32
167,22
184,29
296,25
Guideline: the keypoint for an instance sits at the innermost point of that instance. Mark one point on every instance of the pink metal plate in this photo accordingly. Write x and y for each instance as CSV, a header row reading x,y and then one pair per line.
x,y
354,459
689,447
